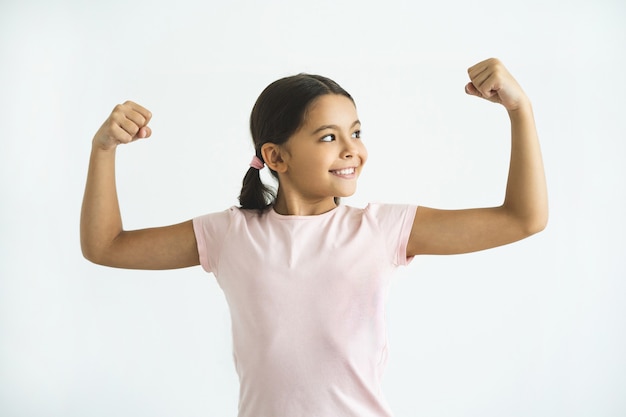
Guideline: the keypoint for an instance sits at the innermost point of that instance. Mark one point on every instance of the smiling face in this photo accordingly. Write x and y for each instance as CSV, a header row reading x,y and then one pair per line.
x,y
323,158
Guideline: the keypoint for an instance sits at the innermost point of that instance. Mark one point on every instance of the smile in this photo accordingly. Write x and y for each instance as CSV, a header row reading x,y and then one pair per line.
x,y
344,172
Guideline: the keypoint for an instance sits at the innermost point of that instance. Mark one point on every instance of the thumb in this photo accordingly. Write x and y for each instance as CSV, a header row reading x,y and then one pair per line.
x,y
472,90
144,132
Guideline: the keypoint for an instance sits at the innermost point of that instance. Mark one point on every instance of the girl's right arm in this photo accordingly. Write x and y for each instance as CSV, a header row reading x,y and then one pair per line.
x,y
103,240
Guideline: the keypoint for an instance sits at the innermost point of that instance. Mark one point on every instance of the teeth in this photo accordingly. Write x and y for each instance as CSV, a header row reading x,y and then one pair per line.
x,y
346,171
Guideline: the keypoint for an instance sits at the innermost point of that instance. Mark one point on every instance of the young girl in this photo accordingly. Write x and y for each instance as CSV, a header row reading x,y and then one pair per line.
x,y
306,278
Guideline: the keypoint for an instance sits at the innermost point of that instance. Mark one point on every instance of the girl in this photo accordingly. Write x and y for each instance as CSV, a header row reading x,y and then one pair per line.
x,y
306,278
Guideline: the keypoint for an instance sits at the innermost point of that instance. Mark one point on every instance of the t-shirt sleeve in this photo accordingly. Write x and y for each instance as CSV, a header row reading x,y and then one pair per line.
x,y
210,231
394,222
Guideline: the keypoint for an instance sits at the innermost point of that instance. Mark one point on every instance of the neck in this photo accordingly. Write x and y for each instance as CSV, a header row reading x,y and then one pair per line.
x,y
298,206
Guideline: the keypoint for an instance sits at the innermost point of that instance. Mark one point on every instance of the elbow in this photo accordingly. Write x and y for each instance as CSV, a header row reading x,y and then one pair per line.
x,y
97,249
535,224
528,220
535,228
90,254
102,252
93,253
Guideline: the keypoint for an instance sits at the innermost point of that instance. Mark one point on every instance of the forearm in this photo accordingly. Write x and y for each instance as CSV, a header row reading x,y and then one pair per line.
x,y
101,220
526,192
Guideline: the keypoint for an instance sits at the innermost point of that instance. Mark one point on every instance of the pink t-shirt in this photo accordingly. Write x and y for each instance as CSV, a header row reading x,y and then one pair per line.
x,y
307,301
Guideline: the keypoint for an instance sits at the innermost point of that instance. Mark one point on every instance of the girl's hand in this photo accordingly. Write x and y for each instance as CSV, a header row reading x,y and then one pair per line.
x,y
127,123
492,81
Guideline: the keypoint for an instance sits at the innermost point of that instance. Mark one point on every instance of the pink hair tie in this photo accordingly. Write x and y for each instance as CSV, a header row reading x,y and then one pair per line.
x,y
257,163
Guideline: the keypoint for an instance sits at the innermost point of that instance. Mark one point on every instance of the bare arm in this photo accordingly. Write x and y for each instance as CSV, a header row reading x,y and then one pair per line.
x,y
525,208
103,240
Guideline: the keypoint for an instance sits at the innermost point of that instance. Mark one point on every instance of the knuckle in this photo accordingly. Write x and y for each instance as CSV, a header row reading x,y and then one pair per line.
x,y
118,110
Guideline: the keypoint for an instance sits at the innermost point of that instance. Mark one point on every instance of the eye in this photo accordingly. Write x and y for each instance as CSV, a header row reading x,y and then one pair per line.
x,y
356,134
328,138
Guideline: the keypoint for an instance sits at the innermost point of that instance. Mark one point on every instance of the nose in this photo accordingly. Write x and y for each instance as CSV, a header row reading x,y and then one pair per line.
x,y
350,149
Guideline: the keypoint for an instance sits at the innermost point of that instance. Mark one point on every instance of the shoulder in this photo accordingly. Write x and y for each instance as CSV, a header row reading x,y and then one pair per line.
x,y
219,220
393,211
234,219
230,213
380,216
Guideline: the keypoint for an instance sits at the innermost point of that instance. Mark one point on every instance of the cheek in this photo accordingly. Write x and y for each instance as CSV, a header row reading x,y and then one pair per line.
x,y
312,164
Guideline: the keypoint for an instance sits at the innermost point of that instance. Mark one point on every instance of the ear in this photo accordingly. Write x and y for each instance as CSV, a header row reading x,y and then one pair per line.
x,y
273,156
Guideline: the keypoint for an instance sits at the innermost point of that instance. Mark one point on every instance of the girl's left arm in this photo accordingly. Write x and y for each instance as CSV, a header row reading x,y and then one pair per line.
x,y
525,208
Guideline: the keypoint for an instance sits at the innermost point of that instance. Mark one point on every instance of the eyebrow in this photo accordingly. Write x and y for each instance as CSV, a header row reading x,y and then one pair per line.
x,y
335,127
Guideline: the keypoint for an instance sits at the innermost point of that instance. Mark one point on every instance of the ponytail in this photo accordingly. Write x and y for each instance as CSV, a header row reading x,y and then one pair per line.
x,y
255,195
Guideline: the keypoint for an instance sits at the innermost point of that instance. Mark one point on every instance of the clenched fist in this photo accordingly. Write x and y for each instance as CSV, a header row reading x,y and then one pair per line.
x,y
492,81
127,123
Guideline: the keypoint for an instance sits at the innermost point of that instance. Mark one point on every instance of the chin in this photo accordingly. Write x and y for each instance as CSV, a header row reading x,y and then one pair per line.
x,y
349,193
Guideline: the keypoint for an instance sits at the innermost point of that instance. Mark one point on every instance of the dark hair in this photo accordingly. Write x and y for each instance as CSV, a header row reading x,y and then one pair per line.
x,y
277,114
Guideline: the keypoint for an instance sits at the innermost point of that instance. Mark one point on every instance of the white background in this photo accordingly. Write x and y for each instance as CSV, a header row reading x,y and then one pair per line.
x,y
537,328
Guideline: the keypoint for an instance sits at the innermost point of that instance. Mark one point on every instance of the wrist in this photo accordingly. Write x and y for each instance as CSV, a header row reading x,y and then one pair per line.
x,y
99,148
522,109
